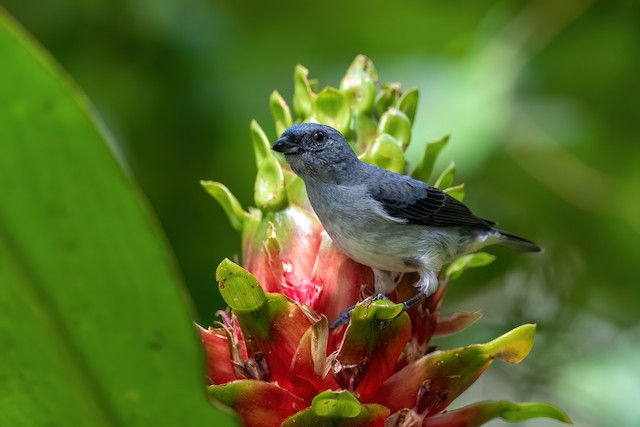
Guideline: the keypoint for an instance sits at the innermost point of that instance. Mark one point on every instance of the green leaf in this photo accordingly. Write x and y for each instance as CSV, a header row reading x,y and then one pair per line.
x,y
457,267
94,326
237,216
431,151
358,84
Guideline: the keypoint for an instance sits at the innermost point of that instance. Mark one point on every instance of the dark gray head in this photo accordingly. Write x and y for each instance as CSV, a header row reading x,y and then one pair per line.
x,y
317,151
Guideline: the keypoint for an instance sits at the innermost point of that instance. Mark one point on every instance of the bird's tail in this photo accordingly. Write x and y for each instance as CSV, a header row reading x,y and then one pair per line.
x,y
517,243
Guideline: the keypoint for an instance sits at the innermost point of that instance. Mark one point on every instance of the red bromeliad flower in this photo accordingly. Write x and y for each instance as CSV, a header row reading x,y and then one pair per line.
x,y
273,359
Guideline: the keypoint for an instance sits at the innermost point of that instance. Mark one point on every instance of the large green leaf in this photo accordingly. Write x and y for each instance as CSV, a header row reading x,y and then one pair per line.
x,y
94,326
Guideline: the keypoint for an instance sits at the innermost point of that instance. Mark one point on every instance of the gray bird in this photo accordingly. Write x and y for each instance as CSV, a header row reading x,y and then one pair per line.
x,y
387,221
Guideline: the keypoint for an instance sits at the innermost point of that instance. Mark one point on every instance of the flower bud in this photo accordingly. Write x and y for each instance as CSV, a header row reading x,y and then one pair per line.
x,y
397,124
270,193
388,96
358,84
331,109
386,153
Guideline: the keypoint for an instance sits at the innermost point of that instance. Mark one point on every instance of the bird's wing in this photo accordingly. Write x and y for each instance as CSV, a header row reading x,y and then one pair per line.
x,y
415,202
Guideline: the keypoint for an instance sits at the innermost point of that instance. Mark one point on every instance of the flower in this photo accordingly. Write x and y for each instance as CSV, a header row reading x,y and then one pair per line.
x,y
273,359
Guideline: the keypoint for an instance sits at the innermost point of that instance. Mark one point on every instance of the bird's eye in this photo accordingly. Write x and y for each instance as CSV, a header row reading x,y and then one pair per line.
x,y
319,136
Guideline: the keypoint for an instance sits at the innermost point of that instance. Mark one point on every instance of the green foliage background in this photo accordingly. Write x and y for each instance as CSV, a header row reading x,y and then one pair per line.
x,y
541,99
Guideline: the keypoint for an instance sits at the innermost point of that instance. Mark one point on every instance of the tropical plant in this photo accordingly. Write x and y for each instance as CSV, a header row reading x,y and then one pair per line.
x,y
273,359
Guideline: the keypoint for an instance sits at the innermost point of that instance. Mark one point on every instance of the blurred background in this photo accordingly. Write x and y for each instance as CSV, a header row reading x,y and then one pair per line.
x,y
542,101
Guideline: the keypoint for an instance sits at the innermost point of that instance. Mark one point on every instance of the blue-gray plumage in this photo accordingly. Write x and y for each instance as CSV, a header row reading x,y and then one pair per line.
x,y
387,221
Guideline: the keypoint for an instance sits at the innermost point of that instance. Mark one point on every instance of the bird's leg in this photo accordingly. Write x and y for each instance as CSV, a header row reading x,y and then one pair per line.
x,y
384,281
427,286
413,301
342,319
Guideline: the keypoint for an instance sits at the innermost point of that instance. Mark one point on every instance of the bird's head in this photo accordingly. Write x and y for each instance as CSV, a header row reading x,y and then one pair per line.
x,y
318,151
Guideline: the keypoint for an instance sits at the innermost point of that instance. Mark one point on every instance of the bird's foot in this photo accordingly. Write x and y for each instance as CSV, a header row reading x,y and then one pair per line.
x,y
343,318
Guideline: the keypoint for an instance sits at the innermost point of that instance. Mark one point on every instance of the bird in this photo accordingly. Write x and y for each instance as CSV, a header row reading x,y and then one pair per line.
x,y
388,221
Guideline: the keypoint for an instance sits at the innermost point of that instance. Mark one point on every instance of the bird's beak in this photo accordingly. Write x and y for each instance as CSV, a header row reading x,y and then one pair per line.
x,y
286,146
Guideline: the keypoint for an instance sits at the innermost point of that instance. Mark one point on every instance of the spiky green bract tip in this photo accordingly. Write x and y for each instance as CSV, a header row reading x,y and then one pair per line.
x,y
380,310
261,146
303,95
480,413
280,112
408,103
460,265
513,346
237,216
358,84
424,169
239,289
329,409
